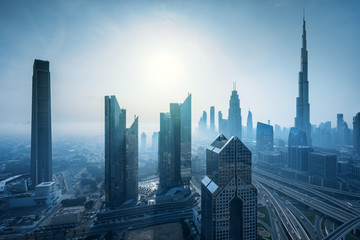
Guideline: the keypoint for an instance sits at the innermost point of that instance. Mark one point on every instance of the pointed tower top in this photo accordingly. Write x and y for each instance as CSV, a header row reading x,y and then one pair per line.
x,y
234,86
304,14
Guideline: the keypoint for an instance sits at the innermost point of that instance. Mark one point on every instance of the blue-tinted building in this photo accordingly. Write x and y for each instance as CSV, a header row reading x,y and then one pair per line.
x,y
264,137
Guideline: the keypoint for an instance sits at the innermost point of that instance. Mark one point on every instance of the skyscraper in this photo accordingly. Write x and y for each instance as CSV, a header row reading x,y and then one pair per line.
x,y
212,119
203,123
264,137
121,155
143,142
155,141
228,197
41,143
356,125
249,126
234,115
302,119
175,145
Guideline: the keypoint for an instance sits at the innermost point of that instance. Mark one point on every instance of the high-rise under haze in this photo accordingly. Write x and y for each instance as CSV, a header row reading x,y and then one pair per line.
x,y
121,155
212,119
175,146
234,117
356,125
41,141
302,119
228,197
249,126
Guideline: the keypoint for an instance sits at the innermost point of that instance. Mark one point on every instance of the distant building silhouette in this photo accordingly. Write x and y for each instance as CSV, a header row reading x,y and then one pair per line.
x,y
155,141
203,123
223,125
212,119
264,137
228,197
143,142
234,115
175,145
342,131
249,126
121,155
297,137
323,164
302,119
41,140
356,126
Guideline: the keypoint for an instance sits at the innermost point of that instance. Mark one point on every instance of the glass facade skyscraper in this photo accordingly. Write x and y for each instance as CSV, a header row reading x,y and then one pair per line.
x,y
234,117
41,140
175,146
302,119
121,155
228,197
264,137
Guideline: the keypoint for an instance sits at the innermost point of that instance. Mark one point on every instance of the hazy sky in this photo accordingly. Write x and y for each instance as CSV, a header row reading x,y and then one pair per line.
x,y
151,53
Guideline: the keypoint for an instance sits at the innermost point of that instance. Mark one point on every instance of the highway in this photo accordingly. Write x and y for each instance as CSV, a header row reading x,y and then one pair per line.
x,y
321,206
344,229
289,221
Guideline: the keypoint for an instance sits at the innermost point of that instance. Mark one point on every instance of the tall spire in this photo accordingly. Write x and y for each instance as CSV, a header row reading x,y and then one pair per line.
x,y
234,86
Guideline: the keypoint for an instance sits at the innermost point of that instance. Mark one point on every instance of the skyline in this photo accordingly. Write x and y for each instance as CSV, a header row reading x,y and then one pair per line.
x,y
204,53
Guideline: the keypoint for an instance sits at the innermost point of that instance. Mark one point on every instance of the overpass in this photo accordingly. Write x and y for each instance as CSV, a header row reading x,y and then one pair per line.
x,y
344,229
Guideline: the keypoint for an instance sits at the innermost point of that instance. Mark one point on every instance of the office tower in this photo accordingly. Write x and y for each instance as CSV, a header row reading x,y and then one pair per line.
x,y
41,143
228,197
175,145
264,137
155,141
212,119
356,127
249,126
203,123
297,138
185,126
234,115
121,155
143,142
220,118
323,164
302,119
339,129
298,157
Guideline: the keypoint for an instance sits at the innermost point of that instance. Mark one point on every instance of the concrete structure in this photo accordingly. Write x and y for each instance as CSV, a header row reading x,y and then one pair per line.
x,y
175,146
249,126
356,125
121,155
67,215
44,188
228,197
302,119
234,117
323,164
264,137
41,143
46,194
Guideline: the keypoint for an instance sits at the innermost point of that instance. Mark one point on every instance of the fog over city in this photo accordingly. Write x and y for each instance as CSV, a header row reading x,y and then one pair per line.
x,y
151,53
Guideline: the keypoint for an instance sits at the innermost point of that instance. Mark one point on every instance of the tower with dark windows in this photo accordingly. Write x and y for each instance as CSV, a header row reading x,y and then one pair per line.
x,y
302,119
234,118
121,155
41,141
228,197
175,146
356,125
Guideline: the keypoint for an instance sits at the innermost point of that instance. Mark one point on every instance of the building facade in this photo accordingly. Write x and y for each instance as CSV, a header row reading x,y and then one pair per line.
x,y
175,146
228,197
212,119
121,155
302,119
41,140
323,164
234,117
249,126
264,137
356,125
